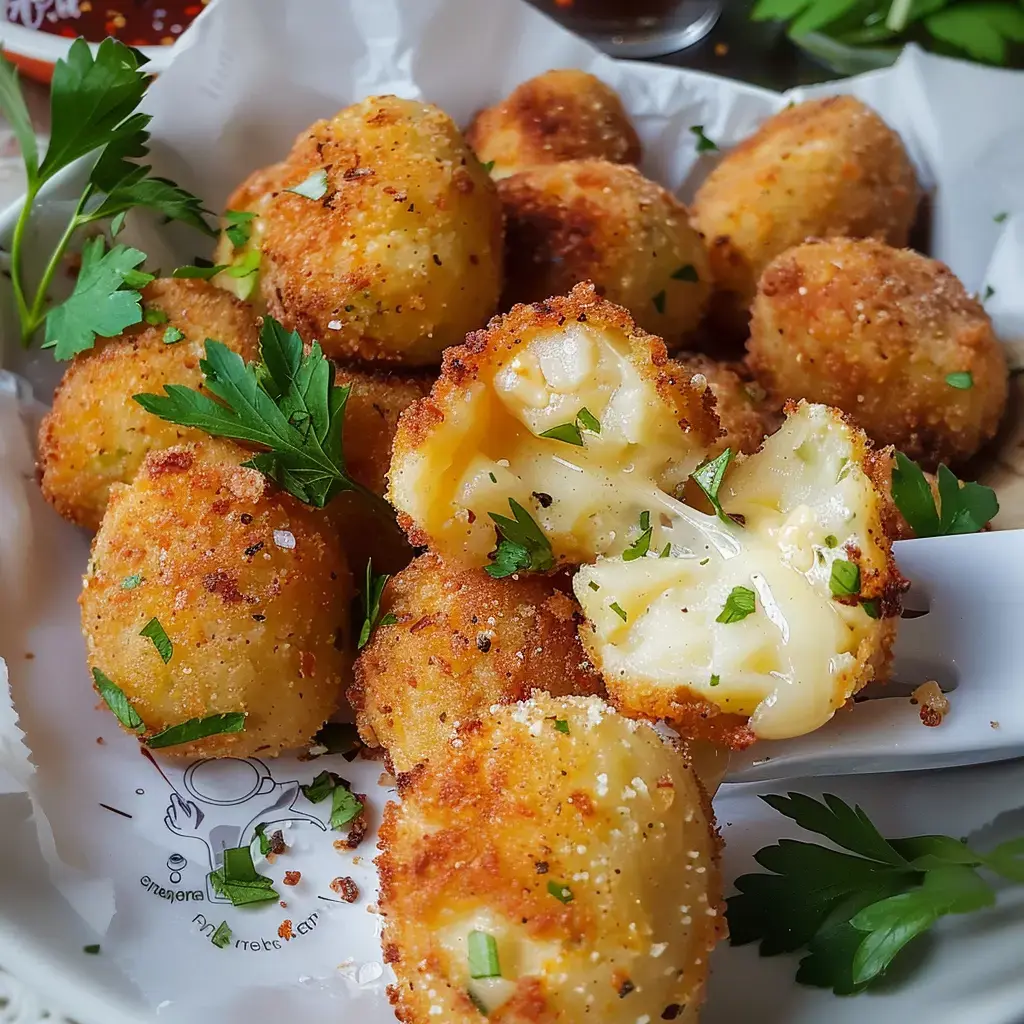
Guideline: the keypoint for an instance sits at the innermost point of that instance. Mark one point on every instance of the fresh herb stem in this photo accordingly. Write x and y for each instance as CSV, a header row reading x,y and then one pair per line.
x,y
17,247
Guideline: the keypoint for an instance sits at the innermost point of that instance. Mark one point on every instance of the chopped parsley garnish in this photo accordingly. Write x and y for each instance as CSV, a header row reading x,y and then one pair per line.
x,y
708,477
494,479
94,114
202,270
594,586
562,893
115,699
221,936
561,725
131,582
965,507
1000,217
659,301
345,806
483,956
854,912
521,544
989,292
154,316
872,608
339,738
239,881
572,433
666,550
845,578
831,541
704,144
173,335
314,187
239,227
161,641
488,166
287,403
715,678
618,609
198,729
642,544
687,272
740,603
261,835
372,618
961,381
92,950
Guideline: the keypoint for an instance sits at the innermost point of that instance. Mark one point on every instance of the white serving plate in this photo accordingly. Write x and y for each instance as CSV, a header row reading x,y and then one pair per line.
x,y
243,82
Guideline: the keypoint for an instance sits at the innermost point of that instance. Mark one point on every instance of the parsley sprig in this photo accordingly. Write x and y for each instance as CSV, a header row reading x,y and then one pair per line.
x,y
708,477
287,404
372,592
962,508
94,114
853,912
521,544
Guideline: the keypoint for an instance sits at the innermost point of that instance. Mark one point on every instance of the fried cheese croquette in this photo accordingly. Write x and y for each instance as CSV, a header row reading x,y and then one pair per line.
x,y
762,626
556,116
565,407
95,435
742,408
395,252
250,586
820,168
589,220
460,643
887,335
559,863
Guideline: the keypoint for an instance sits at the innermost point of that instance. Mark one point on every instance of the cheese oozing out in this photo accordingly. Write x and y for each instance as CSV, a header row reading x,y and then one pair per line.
x,y
489,448
807,503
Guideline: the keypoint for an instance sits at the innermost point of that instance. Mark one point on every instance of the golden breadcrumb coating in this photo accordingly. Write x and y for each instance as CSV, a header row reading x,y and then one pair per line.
x,y
96,435
402,254
741,405
478,442
820,168
559,115
576,845
250,586
878,332
765,627
589,220
462,642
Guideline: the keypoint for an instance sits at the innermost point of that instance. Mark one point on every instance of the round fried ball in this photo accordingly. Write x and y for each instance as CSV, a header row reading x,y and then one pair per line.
x,y
887,335
589,220
395,252
250,586
461,642
820,168
574,845
742,407
96,435
559,115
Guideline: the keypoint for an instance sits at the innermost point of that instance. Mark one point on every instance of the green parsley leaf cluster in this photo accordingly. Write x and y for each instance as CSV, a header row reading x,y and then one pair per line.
x,y
372,592
962,508
521,544
708,477
238,879
854,912
345,806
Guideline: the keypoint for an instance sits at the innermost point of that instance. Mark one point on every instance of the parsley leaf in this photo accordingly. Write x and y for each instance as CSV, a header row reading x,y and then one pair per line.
x,y
314,187
965,507
201,270
521,544
92,950
853,912
131,582
561,725
659,301
288,404
642,544
704,144
261,835
687,272
161,641
197,729
586,420
153,317
740,603
572,433
961,381
845,578
238,880
345,806
483,956
708,477
239,227
221,936
562,893
619,610
1000,217
173,335
115,699
103,302
372,592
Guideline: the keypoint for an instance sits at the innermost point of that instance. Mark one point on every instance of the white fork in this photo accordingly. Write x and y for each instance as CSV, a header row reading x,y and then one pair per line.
x,y
970,639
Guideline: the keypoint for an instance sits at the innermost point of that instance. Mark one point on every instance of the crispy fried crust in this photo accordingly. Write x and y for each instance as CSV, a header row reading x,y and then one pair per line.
x,y
820,168
486,350
605,808
559,115
590,220
250,586
461,643
403,254
96,435
876,331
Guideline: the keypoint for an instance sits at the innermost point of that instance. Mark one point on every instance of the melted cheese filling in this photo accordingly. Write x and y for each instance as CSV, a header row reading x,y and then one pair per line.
x,y
489,449
792,662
